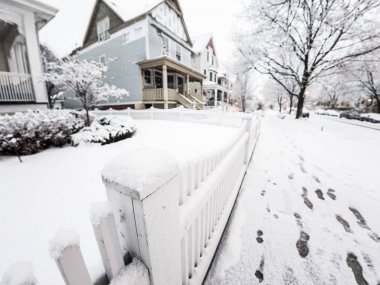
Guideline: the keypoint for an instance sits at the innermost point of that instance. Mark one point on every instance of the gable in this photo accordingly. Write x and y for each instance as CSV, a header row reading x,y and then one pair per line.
x,y
169,14
211,45
100,12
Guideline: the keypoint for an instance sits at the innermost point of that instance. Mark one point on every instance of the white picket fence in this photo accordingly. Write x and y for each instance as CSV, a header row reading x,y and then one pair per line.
x,y
169,216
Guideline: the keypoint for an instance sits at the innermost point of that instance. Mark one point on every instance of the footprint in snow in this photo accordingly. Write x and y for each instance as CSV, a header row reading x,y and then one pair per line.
x,y
344,223
331,194
357,269
259,272
306,199
291,176
319,194
302,247
316,179
259,238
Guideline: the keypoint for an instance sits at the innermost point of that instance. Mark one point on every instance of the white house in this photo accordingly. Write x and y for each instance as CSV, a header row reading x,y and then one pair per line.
x,y
217,86
21,84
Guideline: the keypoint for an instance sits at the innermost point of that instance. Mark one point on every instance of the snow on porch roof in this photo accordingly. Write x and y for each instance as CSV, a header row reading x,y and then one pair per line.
x,y
67,30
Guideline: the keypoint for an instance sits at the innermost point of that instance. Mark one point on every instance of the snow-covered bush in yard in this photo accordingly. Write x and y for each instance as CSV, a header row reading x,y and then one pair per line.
x,y
106,130
30,132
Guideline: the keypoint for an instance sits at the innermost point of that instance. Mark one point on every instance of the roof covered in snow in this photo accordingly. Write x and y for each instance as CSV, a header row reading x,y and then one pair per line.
x,y
67,30
129,9
200,42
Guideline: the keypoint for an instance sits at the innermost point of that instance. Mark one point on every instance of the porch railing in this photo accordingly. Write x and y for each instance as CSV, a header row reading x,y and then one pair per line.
x,y
157,94
16,87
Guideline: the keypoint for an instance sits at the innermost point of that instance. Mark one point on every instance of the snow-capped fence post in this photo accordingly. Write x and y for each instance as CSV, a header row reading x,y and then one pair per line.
x,y
103,222
143,188
64,248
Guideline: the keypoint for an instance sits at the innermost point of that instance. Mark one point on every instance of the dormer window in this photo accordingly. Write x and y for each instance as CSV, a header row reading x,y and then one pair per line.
x,y
103,29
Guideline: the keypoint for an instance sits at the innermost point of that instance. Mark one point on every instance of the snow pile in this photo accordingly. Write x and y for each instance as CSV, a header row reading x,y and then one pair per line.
x,y
106,130
143,170
32,131
135,273
99,211
62,240
20,273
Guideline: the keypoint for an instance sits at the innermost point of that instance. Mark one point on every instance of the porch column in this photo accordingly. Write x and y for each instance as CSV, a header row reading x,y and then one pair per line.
x,y
165,85
34,56
188,84
216,97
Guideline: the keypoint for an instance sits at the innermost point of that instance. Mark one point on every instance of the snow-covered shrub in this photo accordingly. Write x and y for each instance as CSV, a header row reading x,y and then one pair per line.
x,y
106,130
30,132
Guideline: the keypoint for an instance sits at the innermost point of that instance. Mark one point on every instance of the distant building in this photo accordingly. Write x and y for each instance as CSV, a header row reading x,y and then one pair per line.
x,y
217,86
21,84
148,51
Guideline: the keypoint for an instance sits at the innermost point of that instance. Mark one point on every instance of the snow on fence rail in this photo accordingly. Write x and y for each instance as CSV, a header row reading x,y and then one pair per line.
x,y
169,216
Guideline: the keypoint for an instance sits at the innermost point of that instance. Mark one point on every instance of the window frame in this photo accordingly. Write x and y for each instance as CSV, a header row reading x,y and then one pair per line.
x,y
103,29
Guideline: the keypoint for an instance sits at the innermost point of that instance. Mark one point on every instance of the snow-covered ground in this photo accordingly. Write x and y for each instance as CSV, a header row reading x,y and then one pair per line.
x,y
56,188
308,211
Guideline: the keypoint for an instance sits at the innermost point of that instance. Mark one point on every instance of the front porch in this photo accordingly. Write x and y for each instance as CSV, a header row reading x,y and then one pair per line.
x,y
166,83
21,83
216,95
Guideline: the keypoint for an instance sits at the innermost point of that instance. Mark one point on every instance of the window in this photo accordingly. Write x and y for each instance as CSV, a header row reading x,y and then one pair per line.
x,y
171,81
208,56
178,52
148,77
102,59
210,76
205,72
158,79
103,27
212,59
165,45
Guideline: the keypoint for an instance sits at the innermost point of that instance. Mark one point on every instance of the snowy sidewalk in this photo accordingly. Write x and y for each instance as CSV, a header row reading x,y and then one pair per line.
x,y
308,210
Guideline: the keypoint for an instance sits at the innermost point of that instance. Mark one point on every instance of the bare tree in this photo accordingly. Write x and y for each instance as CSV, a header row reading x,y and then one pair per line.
x,y
304,40
243,93
368,77
84,79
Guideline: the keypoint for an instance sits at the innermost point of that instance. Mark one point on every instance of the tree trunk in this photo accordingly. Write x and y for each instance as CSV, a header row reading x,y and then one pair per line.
x,y
87,118
291,104
301,99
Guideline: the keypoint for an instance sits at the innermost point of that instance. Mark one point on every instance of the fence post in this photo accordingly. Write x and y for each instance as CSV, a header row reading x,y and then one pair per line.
x,y
103,223
142,187
64,248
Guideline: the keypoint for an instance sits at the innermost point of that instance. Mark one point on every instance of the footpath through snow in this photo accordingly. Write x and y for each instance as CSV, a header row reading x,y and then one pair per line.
x,y
308,210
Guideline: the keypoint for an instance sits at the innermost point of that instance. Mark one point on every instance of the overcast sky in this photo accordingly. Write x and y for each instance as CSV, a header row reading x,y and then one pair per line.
x,y
201,16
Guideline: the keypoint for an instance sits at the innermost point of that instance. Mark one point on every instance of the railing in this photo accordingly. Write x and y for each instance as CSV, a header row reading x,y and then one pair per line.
x,y
16,87
185,101
199,104
153,95
167,214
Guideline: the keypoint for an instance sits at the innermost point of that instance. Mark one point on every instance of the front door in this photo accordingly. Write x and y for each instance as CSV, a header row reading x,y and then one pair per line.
x,y
181,87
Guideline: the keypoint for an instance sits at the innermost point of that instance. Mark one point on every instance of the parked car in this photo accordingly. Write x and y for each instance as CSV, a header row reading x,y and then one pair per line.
x,y
320,112
332,113
350,114
374,118
364,117
305,113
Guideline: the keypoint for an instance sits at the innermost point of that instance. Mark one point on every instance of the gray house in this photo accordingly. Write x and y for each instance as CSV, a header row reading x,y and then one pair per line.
x,y
148,52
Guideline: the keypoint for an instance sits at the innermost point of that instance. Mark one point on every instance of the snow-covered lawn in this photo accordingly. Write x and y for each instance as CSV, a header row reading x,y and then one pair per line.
x,y
308,211
56,188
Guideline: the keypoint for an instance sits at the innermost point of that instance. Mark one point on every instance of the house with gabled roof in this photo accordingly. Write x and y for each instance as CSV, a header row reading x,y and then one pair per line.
x,y
148,51
217,86
21,74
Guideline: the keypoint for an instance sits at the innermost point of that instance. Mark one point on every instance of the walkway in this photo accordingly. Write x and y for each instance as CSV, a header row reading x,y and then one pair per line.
x,y
308,211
